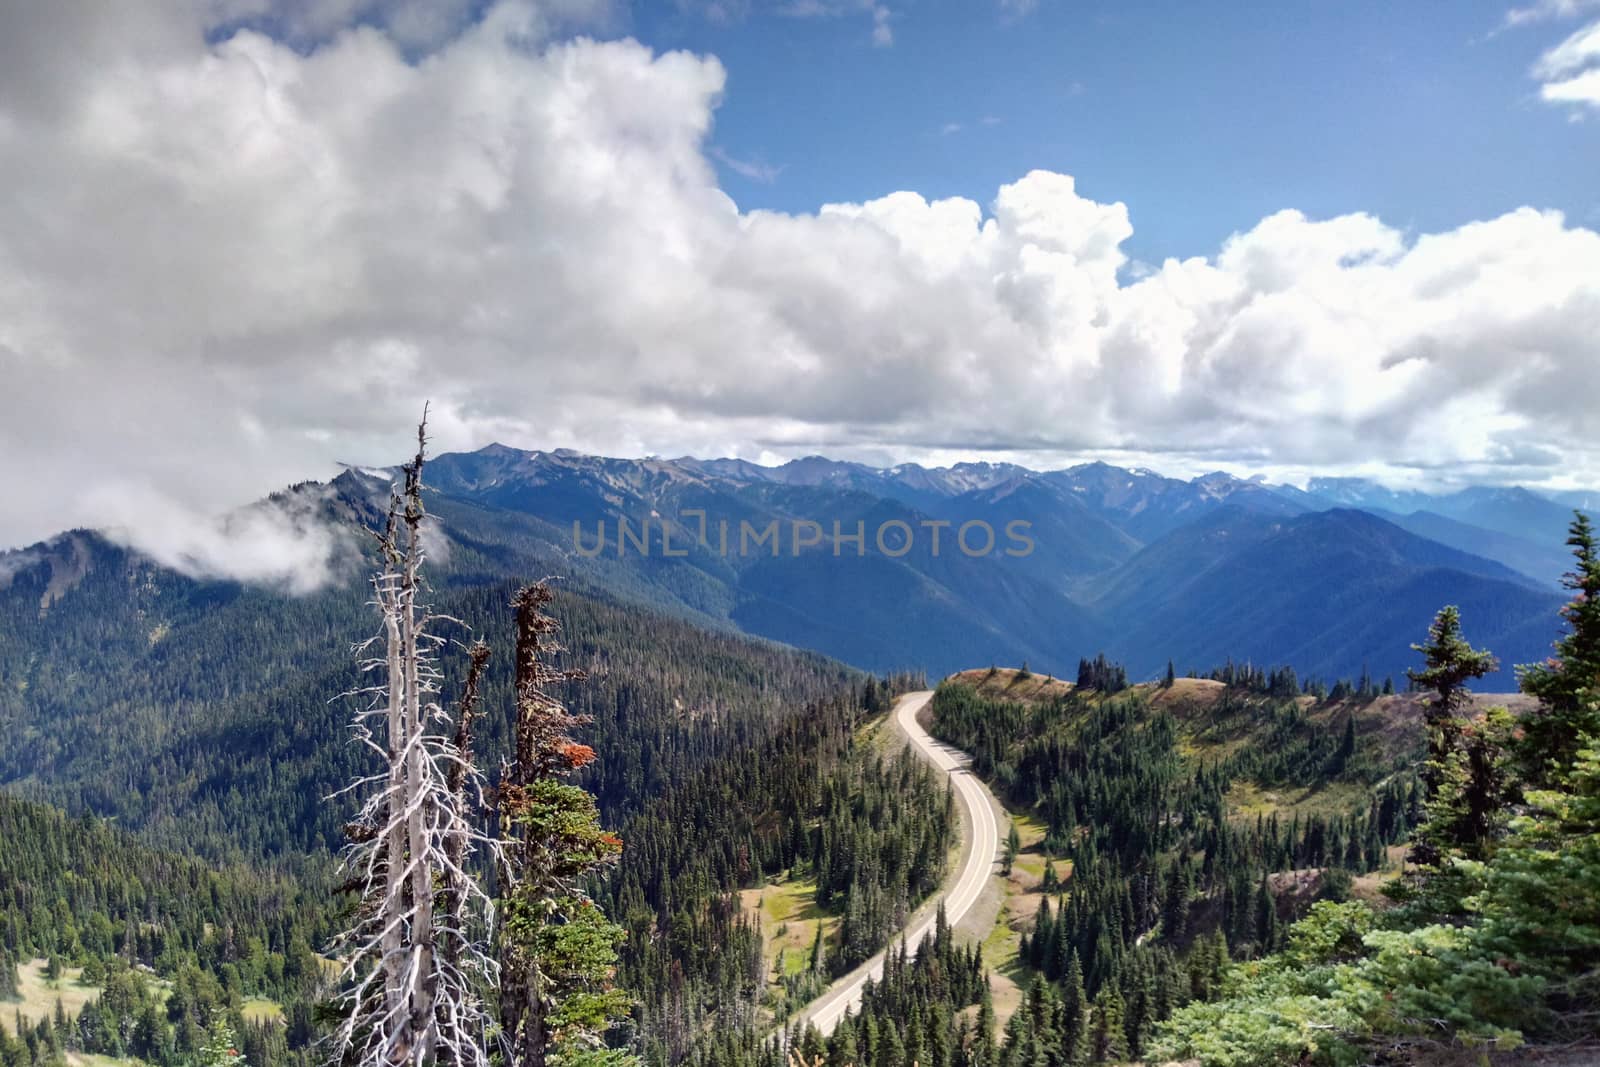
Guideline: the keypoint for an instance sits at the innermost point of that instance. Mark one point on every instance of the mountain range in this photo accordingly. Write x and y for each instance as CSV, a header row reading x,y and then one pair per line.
x,y
881,567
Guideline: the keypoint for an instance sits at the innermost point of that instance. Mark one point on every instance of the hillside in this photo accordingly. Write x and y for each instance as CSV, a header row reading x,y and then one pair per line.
x,y
151,946
1331,592
1157,831
215,705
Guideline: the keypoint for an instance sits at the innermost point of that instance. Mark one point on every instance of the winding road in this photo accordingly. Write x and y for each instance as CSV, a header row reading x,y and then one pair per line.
x,y
979,853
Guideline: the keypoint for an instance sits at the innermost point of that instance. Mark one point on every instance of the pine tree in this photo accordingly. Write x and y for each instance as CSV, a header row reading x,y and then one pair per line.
x,y
1347,744
1051,880
1013,846
1074,1006
222,1045
1450,663
1175,907
557,949
982,1053
1108,1037
1568,684
1541,905
1266,918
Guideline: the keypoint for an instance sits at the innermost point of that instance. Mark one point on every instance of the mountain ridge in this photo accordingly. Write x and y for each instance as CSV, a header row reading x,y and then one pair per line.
x,y
1083,559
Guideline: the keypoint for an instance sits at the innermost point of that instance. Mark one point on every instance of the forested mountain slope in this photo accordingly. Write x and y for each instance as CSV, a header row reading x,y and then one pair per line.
x,y
163,946
1331,592
1162,855
207,713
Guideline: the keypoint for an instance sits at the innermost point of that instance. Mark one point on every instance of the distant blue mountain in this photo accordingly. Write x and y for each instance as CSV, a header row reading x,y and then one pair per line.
x,y
1330,579
1142,565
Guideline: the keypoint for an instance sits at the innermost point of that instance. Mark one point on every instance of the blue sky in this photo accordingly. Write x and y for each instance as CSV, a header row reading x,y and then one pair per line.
x,y
1201,118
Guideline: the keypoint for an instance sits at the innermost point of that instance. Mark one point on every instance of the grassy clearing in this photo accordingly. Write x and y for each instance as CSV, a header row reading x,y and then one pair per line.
x,y
1009,683
39,995
261,1010
789,916
1247,799
1010,976
1030,828
94,1059
1369,887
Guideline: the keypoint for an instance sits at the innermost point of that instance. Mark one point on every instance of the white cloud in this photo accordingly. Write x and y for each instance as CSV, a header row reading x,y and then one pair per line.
x,y
881,16
1578,52
225,266
1547,10
754,169
13,563
284,542
1581,88
882,32
1569,73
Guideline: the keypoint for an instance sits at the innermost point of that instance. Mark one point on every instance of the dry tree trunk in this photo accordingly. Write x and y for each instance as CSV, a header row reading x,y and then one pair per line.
x,y
454,896
413,971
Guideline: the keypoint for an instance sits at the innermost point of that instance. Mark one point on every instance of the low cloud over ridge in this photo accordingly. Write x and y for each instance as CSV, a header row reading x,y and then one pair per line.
x,y
228,261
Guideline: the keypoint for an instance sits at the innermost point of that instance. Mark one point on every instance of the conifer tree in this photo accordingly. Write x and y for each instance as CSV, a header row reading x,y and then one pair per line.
x,y
222,1045
1347,744
1541,905
557,950
1013,846
1266,918
1567,684
1074,1007
1108,1036
981,1053
1461,778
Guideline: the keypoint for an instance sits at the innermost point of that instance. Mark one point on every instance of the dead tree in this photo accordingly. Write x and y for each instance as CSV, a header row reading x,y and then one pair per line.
x,y
415,959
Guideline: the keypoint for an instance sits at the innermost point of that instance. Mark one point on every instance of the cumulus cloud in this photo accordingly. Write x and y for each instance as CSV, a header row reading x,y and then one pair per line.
x,y
229,258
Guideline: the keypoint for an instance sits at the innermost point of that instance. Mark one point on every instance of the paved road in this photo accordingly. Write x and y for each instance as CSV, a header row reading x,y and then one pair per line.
x,y
979,855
